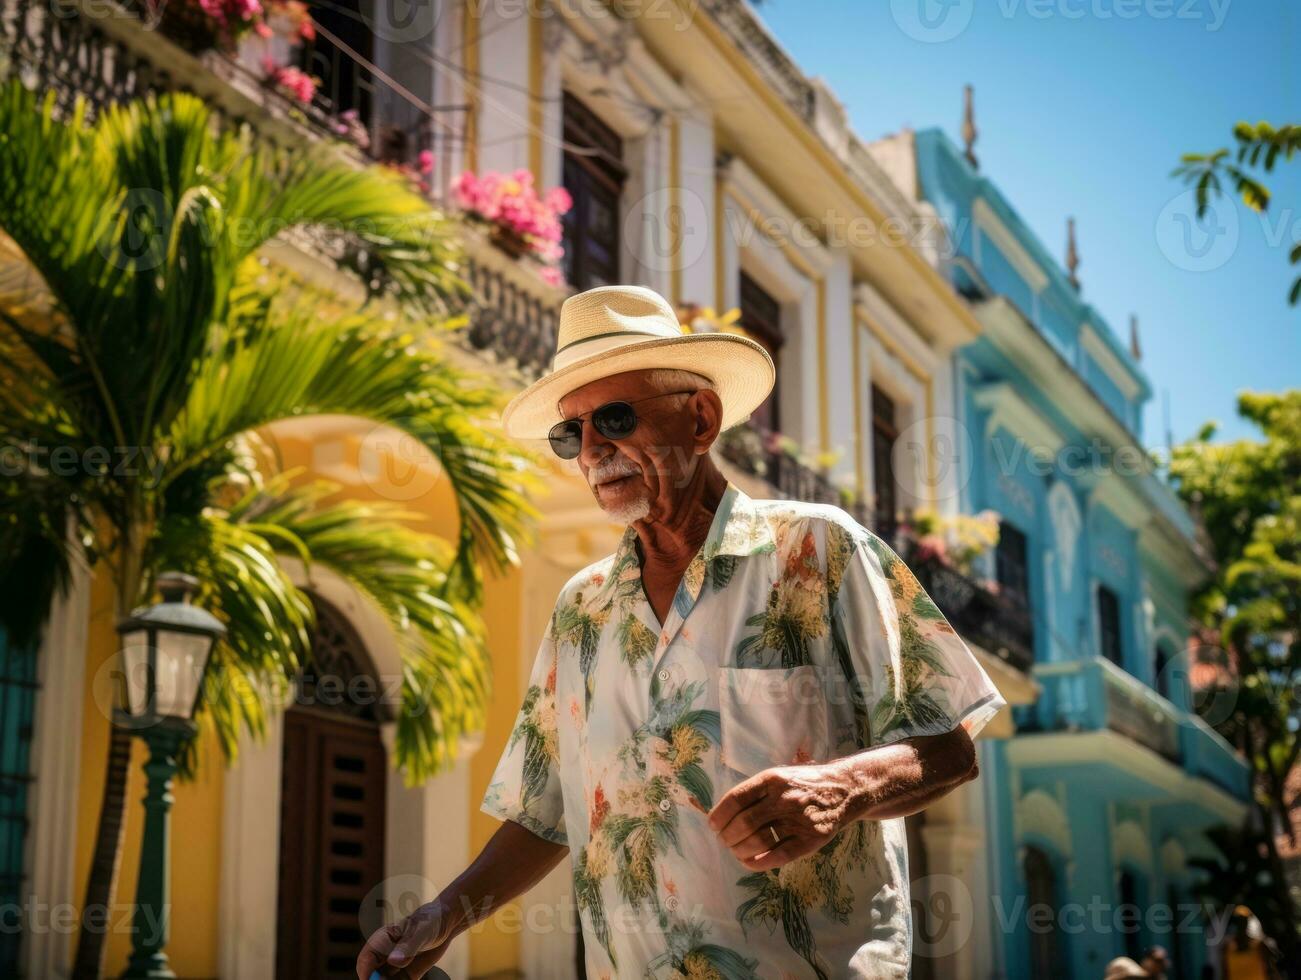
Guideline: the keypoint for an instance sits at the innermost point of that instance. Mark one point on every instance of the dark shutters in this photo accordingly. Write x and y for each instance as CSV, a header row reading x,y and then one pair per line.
x,y
1011,564
17,706
1109,626
761,317
1129,915
885,430
1162,667
331,841
332,806
594,176
1046,958
346,82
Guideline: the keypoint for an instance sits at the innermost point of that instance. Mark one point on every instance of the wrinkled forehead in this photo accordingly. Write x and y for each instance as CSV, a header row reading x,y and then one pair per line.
x,y
616,387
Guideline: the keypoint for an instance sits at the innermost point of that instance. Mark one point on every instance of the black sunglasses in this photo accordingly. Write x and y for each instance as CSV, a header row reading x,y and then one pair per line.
x,y
614,420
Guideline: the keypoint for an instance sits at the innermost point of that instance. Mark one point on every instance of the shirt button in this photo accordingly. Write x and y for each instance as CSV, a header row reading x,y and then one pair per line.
x,y
665,804
664,674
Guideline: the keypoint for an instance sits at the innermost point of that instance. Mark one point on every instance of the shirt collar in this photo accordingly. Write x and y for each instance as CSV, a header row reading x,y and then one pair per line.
x,y
738,529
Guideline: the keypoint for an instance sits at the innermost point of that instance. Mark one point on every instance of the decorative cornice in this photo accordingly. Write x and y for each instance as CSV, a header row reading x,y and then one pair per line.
x,y
1106,359
1129,845
1106,748
1173,858
1038,814
1009,410
989,222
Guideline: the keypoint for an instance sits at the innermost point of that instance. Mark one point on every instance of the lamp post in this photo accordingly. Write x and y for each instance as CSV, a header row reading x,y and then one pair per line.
x,y
165,651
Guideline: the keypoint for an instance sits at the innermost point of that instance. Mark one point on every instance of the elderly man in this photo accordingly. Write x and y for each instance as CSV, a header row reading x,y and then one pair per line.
x,y
728,717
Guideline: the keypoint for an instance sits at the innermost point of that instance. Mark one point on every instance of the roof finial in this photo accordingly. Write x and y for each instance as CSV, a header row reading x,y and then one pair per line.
x,y
1135,348
969,131
1072,253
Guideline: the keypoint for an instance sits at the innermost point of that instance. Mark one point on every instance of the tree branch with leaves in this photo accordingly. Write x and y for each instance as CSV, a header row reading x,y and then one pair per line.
x,y
1258,147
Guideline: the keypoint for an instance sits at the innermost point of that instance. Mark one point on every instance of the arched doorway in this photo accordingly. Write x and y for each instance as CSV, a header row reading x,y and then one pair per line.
x,y
1047,957
1131,912
332,805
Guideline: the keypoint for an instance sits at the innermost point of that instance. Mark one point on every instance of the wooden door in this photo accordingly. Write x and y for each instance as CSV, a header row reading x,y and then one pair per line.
x,y
331,841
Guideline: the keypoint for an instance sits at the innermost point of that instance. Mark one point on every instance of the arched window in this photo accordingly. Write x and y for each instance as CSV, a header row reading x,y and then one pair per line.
x,y
332,804
1130,914
1163,659
1046,954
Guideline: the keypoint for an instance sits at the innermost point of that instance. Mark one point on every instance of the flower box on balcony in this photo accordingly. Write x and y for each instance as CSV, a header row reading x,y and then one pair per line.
x,y
188,25
997,622
509,241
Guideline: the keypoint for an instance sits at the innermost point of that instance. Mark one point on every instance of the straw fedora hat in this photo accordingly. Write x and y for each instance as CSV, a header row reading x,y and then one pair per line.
x,y
612,329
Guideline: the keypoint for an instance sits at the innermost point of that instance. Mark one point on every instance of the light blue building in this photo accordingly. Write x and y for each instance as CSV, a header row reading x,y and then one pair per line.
x,y
1096,804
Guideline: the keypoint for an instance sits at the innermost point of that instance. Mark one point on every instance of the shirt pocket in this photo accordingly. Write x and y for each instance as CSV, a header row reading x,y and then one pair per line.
x,y
772,717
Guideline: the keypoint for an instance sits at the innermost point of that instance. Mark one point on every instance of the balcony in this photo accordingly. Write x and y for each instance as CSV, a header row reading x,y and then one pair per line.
x,y
1093,694
114,55
998,623
1208,754
113,52
761,453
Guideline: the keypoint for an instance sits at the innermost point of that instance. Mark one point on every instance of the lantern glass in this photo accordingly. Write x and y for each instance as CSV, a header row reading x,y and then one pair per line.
x,y
135,668
181,657
177,663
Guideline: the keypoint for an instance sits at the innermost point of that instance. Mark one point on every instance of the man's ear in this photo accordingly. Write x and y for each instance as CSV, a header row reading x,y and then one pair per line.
x,y
709,418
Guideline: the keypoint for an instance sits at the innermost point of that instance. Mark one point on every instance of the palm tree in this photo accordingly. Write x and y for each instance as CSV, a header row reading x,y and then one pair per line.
x,y
158,327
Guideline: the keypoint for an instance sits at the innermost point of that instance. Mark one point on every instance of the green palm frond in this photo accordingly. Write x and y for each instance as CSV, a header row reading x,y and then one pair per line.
x,y
139,223
353,365
268,620
159,329
446,669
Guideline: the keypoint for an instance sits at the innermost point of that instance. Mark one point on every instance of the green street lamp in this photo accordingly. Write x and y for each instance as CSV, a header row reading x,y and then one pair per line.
x,y
164,656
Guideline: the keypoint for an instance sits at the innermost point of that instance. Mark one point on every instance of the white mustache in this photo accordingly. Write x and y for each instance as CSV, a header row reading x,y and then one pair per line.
x,y
613,470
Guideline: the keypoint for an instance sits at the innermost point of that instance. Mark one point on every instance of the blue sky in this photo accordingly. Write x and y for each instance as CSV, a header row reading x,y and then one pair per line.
x,y
1084,107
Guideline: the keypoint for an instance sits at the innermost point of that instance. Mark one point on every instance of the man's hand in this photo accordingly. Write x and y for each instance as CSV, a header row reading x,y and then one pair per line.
x,y
410,947
512,862
806,805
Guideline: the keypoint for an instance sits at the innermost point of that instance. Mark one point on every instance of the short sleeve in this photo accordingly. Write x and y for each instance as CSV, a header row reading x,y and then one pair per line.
x,y
910,673
525,786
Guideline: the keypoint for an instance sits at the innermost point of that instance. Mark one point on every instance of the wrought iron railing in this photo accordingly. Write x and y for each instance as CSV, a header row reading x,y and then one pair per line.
x,y
763,453
118,55
995,621
1138,712
1092,694
513,316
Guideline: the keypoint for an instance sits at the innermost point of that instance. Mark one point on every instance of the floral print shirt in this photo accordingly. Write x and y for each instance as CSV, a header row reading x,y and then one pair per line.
x,y
795,636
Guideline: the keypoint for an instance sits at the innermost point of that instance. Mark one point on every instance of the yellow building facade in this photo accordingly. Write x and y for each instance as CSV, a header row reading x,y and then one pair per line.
x,y
734,169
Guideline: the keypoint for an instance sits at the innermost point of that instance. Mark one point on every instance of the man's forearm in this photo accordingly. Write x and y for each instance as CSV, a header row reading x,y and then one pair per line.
x,y
511,863
900,779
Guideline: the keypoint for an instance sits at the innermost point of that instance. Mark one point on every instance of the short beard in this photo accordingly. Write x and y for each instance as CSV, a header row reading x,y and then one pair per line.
x,y
624,513
629,512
